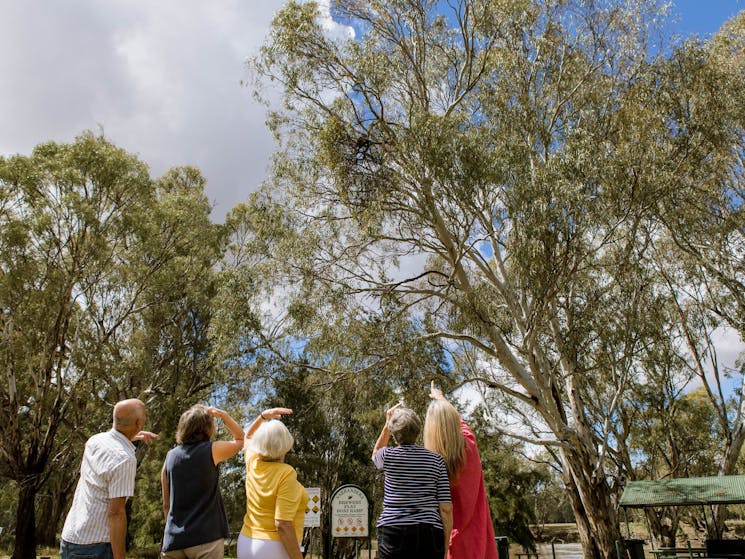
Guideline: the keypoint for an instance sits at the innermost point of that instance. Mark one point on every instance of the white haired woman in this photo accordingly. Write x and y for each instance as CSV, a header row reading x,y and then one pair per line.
x,y
417,513
275,500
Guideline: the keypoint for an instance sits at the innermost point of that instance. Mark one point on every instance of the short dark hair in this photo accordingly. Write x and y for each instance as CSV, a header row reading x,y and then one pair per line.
x,y
404,426
195,425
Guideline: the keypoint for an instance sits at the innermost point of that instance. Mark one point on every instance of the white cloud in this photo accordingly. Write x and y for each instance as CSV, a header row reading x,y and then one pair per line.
x,y
331,27
162,79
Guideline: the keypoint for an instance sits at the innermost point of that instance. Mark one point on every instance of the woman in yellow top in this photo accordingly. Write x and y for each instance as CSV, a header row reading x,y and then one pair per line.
x,y
275,500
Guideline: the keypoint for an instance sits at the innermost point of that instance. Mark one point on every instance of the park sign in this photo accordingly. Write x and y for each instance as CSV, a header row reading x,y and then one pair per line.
x,y
313,508
350,513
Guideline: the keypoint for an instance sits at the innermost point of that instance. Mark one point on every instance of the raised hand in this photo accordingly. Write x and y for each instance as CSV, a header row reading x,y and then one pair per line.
x,y
275,413
145,436
389,411
435,393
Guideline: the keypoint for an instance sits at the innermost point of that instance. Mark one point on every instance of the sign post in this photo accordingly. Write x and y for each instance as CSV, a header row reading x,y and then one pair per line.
x,y
313,514
350,515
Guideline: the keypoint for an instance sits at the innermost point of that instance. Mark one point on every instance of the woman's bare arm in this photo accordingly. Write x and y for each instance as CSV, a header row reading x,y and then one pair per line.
x,y
222,450
288,537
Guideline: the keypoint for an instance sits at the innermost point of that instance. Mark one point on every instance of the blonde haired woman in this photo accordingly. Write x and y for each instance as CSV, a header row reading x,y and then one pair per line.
x,y
446,433
275,500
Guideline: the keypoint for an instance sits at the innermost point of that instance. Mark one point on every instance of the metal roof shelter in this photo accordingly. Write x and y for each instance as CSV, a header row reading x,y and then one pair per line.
x,y
679,492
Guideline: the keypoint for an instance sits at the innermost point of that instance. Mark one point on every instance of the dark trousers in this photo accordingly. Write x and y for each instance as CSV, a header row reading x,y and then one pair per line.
x,y
415,541
85,551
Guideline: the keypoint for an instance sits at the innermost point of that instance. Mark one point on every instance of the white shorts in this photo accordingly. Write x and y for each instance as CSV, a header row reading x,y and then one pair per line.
x,y
250,548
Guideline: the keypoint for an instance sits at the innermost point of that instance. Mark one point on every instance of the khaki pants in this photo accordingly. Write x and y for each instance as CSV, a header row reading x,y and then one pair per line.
x,y
209,550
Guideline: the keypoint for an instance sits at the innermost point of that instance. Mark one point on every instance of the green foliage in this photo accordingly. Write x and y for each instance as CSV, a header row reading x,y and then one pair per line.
x,y
693,447
512,483
532,182
105,287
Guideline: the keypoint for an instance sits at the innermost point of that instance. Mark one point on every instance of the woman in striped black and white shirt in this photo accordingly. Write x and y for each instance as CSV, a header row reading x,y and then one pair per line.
x,y
417,513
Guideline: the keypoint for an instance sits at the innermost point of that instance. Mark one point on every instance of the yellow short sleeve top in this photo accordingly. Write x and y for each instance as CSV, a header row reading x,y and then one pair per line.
x,y
272,492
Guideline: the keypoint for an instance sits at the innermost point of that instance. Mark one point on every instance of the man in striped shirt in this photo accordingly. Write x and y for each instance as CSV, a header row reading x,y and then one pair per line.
x,y
417,515
96,526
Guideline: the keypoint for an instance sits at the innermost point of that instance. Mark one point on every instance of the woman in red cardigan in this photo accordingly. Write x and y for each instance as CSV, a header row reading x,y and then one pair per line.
x,y
447,434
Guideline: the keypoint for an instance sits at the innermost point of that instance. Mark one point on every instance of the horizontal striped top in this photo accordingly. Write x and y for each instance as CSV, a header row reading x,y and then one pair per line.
x,y
107,471
416,482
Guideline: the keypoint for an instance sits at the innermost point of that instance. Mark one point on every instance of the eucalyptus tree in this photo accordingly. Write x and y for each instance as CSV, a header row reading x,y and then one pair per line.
x,y
705,221
699,223
104,277
63,469
492,168
677,436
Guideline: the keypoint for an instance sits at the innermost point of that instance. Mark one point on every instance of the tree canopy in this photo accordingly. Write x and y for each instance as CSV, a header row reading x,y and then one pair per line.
x,y
105,275
519,178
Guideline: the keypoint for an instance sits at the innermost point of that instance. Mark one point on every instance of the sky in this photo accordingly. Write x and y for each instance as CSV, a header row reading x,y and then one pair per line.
x,y
162,79
704,17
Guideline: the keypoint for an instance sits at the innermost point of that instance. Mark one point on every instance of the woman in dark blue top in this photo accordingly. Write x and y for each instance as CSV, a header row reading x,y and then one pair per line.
x,y
196,524
417,513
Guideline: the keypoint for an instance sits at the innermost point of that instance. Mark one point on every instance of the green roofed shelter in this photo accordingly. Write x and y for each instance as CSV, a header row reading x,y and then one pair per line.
x,y
688,491
680,492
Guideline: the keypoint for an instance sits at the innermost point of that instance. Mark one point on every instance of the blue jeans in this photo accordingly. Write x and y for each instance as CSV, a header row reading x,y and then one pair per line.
x,y
414,541
69,550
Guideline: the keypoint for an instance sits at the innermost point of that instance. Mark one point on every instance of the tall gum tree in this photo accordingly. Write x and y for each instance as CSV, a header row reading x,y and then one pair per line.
x,y
701,222
492,149
96,263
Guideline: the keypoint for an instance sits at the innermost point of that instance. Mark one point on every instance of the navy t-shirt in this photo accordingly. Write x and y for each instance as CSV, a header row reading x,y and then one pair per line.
x,y
197,514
